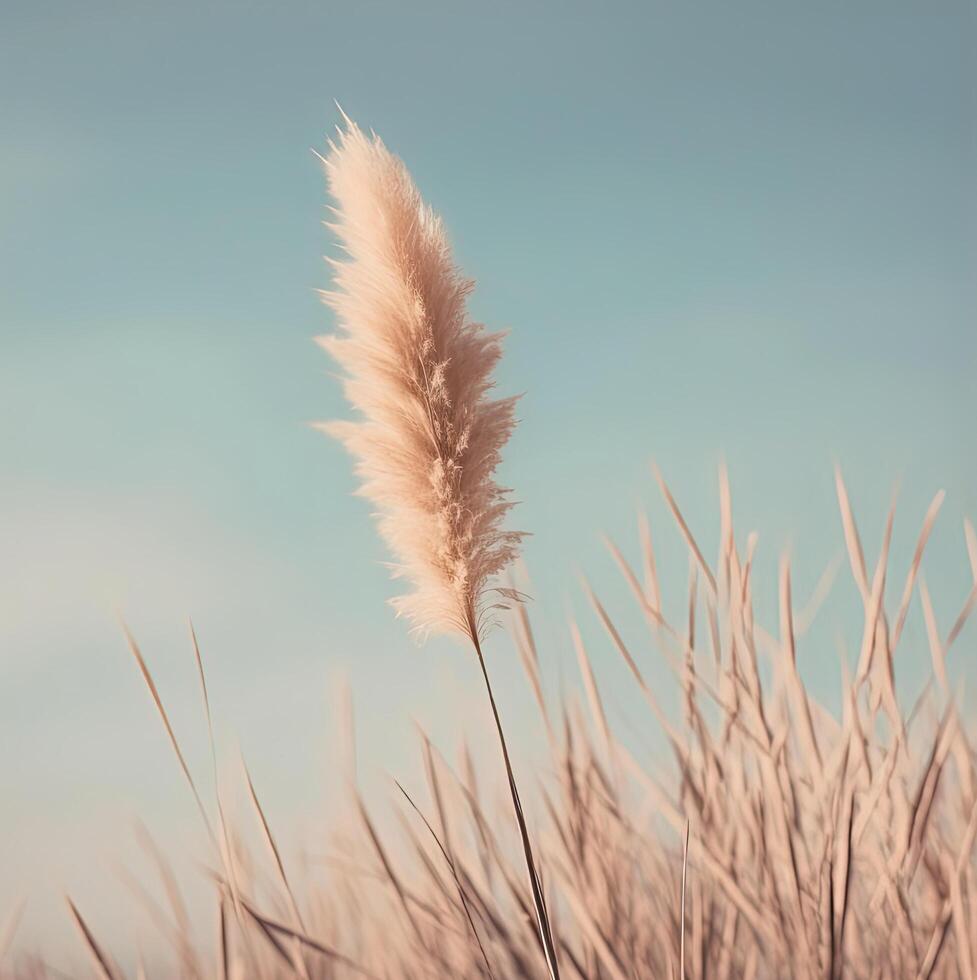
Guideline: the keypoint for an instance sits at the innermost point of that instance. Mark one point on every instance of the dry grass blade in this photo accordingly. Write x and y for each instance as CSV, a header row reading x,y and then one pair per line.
x,y
937,650
526,645
454,875
590,686
279,866
621,647
222,944
103,965
151,684
971,537
907,592
271,928
272,846
684,528
839,944
648,562
852,539
798,693
224,848
685,872
874,608
650,611
968,607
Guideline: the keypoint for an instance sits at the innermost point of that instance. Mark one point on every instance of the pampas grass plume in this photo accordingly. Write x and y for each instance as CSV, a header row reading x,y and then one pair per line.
x,y
419,374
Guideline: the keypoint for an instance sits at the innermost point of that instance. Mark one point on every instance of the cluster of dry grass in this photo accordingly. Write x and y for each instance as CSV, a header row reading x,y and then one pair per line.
x,y
819,846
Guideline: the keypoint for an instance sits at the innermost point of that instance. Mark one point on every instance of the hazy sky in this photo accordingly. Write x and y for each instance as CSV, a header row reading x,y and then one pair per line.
x,y
746,230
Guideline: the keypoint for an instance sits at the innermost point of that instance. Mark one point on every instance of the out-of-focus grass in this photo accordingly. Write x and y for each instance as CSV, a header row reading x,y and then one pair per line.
x,y
819,845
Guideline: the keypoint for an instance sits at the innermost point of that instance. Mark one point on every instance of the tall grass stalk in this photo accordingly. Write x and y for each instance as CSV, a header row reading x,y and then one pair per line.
x,y
428,440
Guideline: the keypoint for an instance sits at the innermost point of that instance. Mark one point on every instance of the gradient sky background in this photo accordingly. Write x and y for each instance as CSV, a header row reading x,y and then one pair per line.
x,y
746,230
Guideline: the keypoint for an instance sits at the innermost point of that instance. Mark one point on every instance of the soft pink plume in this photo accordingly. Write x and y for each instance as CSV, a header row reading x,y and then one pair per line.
x,y
419,373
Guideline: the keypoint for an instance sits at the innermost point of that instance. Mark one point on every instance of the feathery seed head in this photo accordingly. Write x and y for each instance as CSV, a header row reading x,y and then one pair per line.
x,y
419,374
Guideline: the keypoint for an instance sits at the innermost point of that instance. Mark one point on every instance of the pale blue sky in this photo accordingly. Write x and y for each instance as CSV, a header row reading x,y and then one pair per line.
x,y
712,229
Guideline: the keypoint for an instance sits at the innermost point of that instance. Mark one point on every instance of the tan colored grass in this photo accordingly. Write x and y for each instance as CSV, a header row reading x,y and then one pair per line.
x,y
843,848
